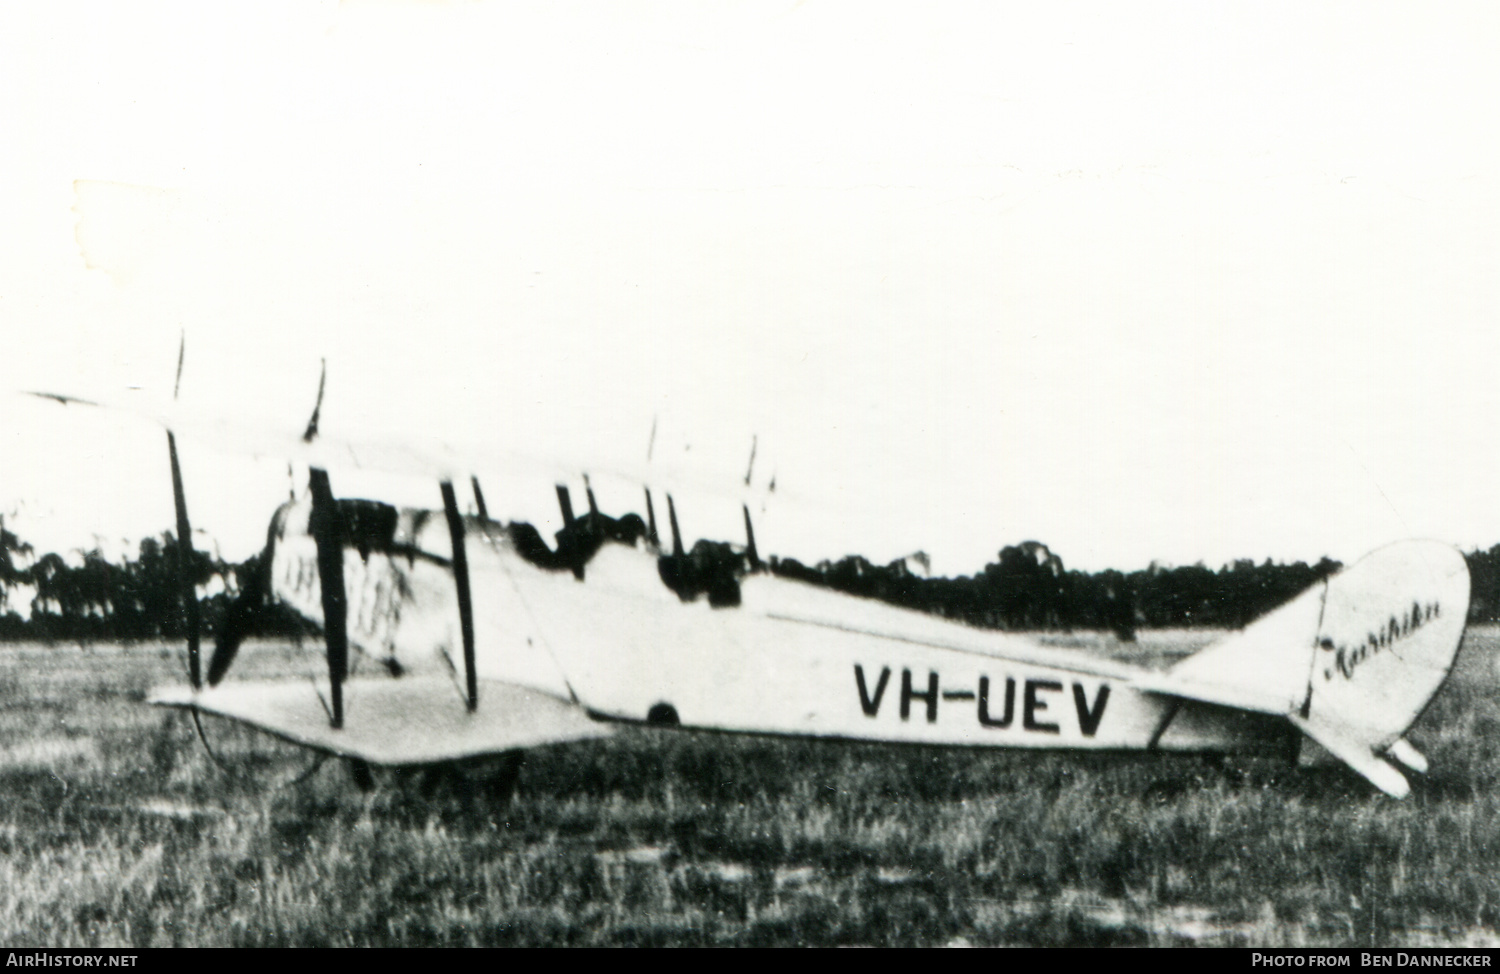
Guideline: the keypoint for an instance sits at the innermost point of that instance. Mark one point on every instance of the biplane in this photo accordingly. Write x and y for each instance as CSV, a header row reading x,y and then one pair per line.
x,y
474,637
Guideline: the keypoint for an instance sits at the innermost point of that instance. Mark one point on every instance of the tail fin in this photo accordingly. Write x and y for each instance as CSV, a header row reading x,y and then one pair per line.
x,y
1352,662
1391,627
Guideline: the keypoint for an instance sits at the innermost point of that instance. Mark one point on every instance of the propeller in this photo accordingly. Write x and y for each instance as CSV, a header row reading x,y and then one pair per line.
x,y
241,613
242,610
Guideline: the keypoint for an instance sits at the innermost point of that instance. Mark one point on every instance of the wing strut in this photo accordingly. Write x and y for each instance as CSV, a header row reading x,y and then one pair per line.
x,y
566,503
593,504
676,535
461,582
479,499
750,540
185,566
326,525
185,584
651,534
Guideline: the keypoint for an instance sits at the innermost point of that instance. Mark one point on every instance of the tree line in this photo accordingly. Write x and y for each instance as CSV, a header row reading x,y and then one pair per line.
x,y
1028,588
87,596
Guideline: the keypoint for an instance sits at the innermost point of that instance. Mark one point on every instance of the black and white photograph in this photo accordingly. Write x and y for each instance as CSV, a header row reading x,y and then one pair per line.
x,y
782,473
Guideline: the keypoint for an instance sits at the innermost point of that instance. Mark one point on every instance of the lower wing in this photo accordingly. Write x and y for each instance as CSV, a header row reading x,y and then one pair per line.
x,y
396,722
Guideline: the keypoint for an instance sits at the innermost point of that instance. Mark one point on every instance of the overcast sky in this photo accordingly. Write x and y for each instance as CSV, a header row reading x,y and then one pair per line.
x,y
1141,281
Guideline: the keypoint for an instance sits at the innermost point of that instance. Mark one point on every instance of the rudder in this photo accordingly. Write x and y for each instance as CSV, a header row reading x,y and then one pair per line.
x,y
1353,661
1390,630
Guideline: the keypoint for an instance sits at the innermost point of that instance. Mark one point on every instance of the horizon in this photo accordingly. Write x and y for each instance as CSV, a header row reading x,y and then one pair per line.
x,y
118,550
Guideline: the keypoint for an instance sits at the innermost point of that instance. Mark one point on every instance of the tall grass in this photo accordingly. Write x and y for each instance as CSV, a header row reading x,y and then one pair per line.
x,y
117,829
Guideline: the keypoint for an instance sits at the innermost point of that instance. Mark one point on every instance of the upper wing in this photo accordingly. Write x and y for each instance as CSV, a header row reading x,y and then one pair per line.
x,y
384,453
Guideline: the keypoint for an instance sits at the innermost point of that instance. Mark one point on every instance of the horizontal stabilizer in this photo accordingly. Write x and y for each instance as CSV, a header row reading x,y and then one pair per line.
x,y
1263,668
396,721
1409,756
1356,755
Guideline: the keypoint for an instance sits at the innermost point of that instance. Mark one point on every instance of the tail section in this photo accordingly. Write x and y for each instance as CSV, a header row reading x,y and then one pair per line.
x,y
1391,627
1262,668
1352,662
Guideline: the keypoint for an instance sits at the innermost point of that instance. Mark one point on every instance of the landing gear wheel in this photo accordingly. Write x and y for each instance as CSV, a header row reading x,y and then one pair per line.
x,y
364,778
502,782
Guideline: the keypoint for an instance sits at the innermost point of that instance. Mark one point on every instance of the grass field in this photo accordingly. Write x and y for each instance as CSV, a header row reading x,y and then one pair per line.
x,y
116,828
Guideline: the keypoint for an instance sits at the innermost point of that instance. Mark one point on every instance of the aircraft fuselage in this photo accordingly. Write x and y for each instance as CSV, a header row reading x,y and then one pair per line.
x,y
789,659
